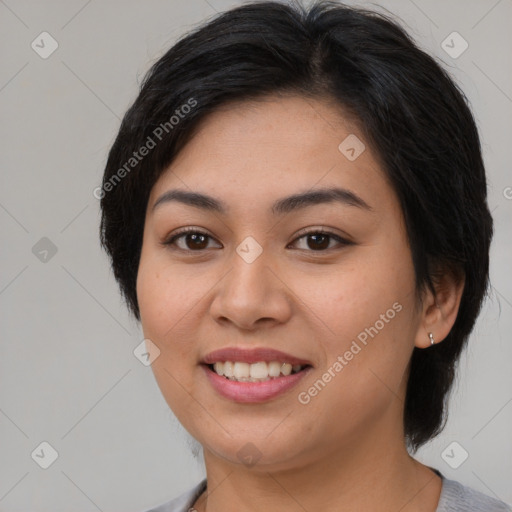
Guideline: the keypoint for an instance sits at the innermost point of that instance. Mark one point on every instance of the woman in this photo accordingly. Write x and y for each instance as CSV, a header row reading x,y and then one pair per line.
x,y
295,209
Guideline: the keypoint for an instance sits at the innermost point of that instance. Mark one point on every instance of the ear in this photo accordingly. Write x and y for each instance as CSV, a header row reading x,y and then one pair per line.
x,y
439,310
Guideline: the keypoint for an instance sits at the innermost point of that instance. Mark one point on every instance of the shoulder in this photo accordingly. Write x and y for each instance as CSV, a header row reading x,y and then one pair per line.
x,y
183,502
456,497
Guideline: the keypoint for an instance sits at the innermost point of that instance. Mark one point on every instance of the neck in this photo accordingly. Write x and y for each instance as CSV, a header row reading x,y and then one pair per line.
x,y
377,474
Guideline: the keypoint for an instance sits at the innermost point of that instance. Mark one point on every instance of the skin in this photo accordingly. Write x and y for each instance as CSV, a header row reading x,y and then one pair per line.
x,y
344,450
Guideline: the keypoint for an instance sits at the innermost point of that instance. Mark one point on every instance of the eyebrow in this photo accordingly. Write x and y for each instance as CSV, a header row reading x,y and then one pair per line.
x,y
280,207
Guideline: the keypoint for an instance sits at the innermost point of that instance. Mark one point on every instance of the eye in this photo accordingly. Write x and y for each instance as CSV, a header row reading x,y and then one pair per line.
x,y
193,240
320,240
190,239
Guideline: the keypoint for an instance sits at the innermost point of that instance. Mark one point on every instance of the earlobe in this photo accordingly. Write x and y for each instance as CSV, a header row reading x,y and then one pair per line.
x,y
439,310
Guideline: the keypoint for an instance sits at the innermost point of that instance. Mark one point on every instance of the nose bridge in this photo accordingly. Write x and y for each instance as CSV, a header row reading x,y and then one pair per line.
x,y
249,278
250,292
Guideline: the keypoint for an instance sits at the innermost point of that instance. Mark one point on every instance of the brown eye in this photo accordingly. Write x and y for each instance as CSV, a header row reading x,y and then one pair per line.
x,y
190,240
196,241
193,240
320,241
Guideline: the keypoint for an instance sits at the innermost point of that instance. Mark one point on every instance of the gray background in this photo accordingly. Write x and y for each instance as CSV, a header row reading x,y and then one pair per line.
x,y
68,373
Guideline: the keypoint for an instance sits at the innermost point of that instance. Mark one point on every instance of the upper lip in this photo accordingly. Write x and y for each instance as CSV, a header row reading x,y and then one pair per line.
x,y
253,355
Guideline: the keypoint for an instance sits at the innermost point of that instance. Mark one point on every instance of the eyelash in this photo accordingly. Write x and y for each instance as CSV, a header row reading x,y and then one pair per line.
x,y
171,240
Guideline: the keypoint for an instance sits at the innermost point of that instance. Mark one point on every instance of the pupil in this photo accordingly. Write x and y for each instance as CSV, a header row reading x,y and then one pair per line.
x,y
324,238
197,238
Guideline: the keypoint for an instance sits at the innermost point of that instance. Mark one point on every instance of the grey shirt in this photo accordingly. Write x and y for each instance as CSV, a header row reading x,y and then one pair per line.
x,y
455,497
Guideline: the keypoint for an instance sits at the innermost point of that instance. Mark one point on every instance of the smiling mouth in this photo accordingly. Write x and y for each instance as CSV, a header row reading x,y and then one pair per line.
x,y
256,372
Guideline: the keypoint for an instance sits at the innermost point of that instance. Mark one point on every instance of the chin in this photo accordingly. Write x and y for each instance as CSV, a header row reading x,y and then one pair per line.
x,y
255,452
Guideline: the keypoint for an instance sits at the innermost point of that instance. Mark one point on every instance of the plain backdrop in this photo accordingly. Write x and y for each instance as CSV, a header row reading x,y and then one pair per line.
x,y
68,373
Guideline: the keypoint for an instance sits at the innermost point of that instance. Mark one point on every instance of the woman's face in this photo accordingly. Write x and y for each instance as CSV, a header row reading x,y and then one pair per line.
x,y
344,302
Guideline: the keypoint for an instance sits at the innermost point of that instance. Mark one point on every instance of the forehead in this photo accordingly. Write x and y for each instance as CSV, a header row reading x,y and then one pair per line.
x,y
252,151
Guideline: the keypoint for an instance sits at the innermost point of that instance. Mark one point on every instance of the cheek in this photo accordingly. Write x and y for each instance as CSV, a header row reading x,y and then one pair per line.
x,y
163,312
154,298
166,320
165,294
173,302
354,298
368,308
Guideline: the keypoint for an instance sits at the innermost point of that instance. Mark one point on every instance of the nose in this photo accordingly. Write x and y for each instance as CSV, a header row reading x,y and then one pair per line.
x,y
252,295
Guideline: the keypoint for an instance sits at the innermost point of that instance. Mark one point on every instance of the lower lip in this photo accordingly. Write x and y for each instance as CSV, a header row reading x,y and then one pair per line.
x,y
253,392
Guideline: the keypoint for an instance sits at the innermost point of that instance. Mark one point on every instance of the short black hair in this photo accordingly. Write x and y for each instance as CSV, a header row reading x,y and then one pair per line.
x,y
410,111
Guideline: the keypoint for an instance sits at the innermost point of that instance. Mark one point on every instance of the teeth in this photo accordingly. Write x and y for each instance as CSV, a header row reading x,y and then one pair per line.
x,y
241,371
227,369
255,372
286,369
274,369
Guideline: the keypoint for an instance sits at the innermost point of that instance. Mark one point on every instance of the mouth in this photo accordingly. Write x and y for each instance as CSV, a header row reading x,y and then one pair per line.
x,y
253,375
261,371
253,389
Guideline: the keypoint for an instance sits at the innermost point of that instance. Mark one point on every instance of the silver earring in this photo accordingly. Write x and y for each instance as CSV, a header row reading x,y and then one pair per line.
x,y
431,336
